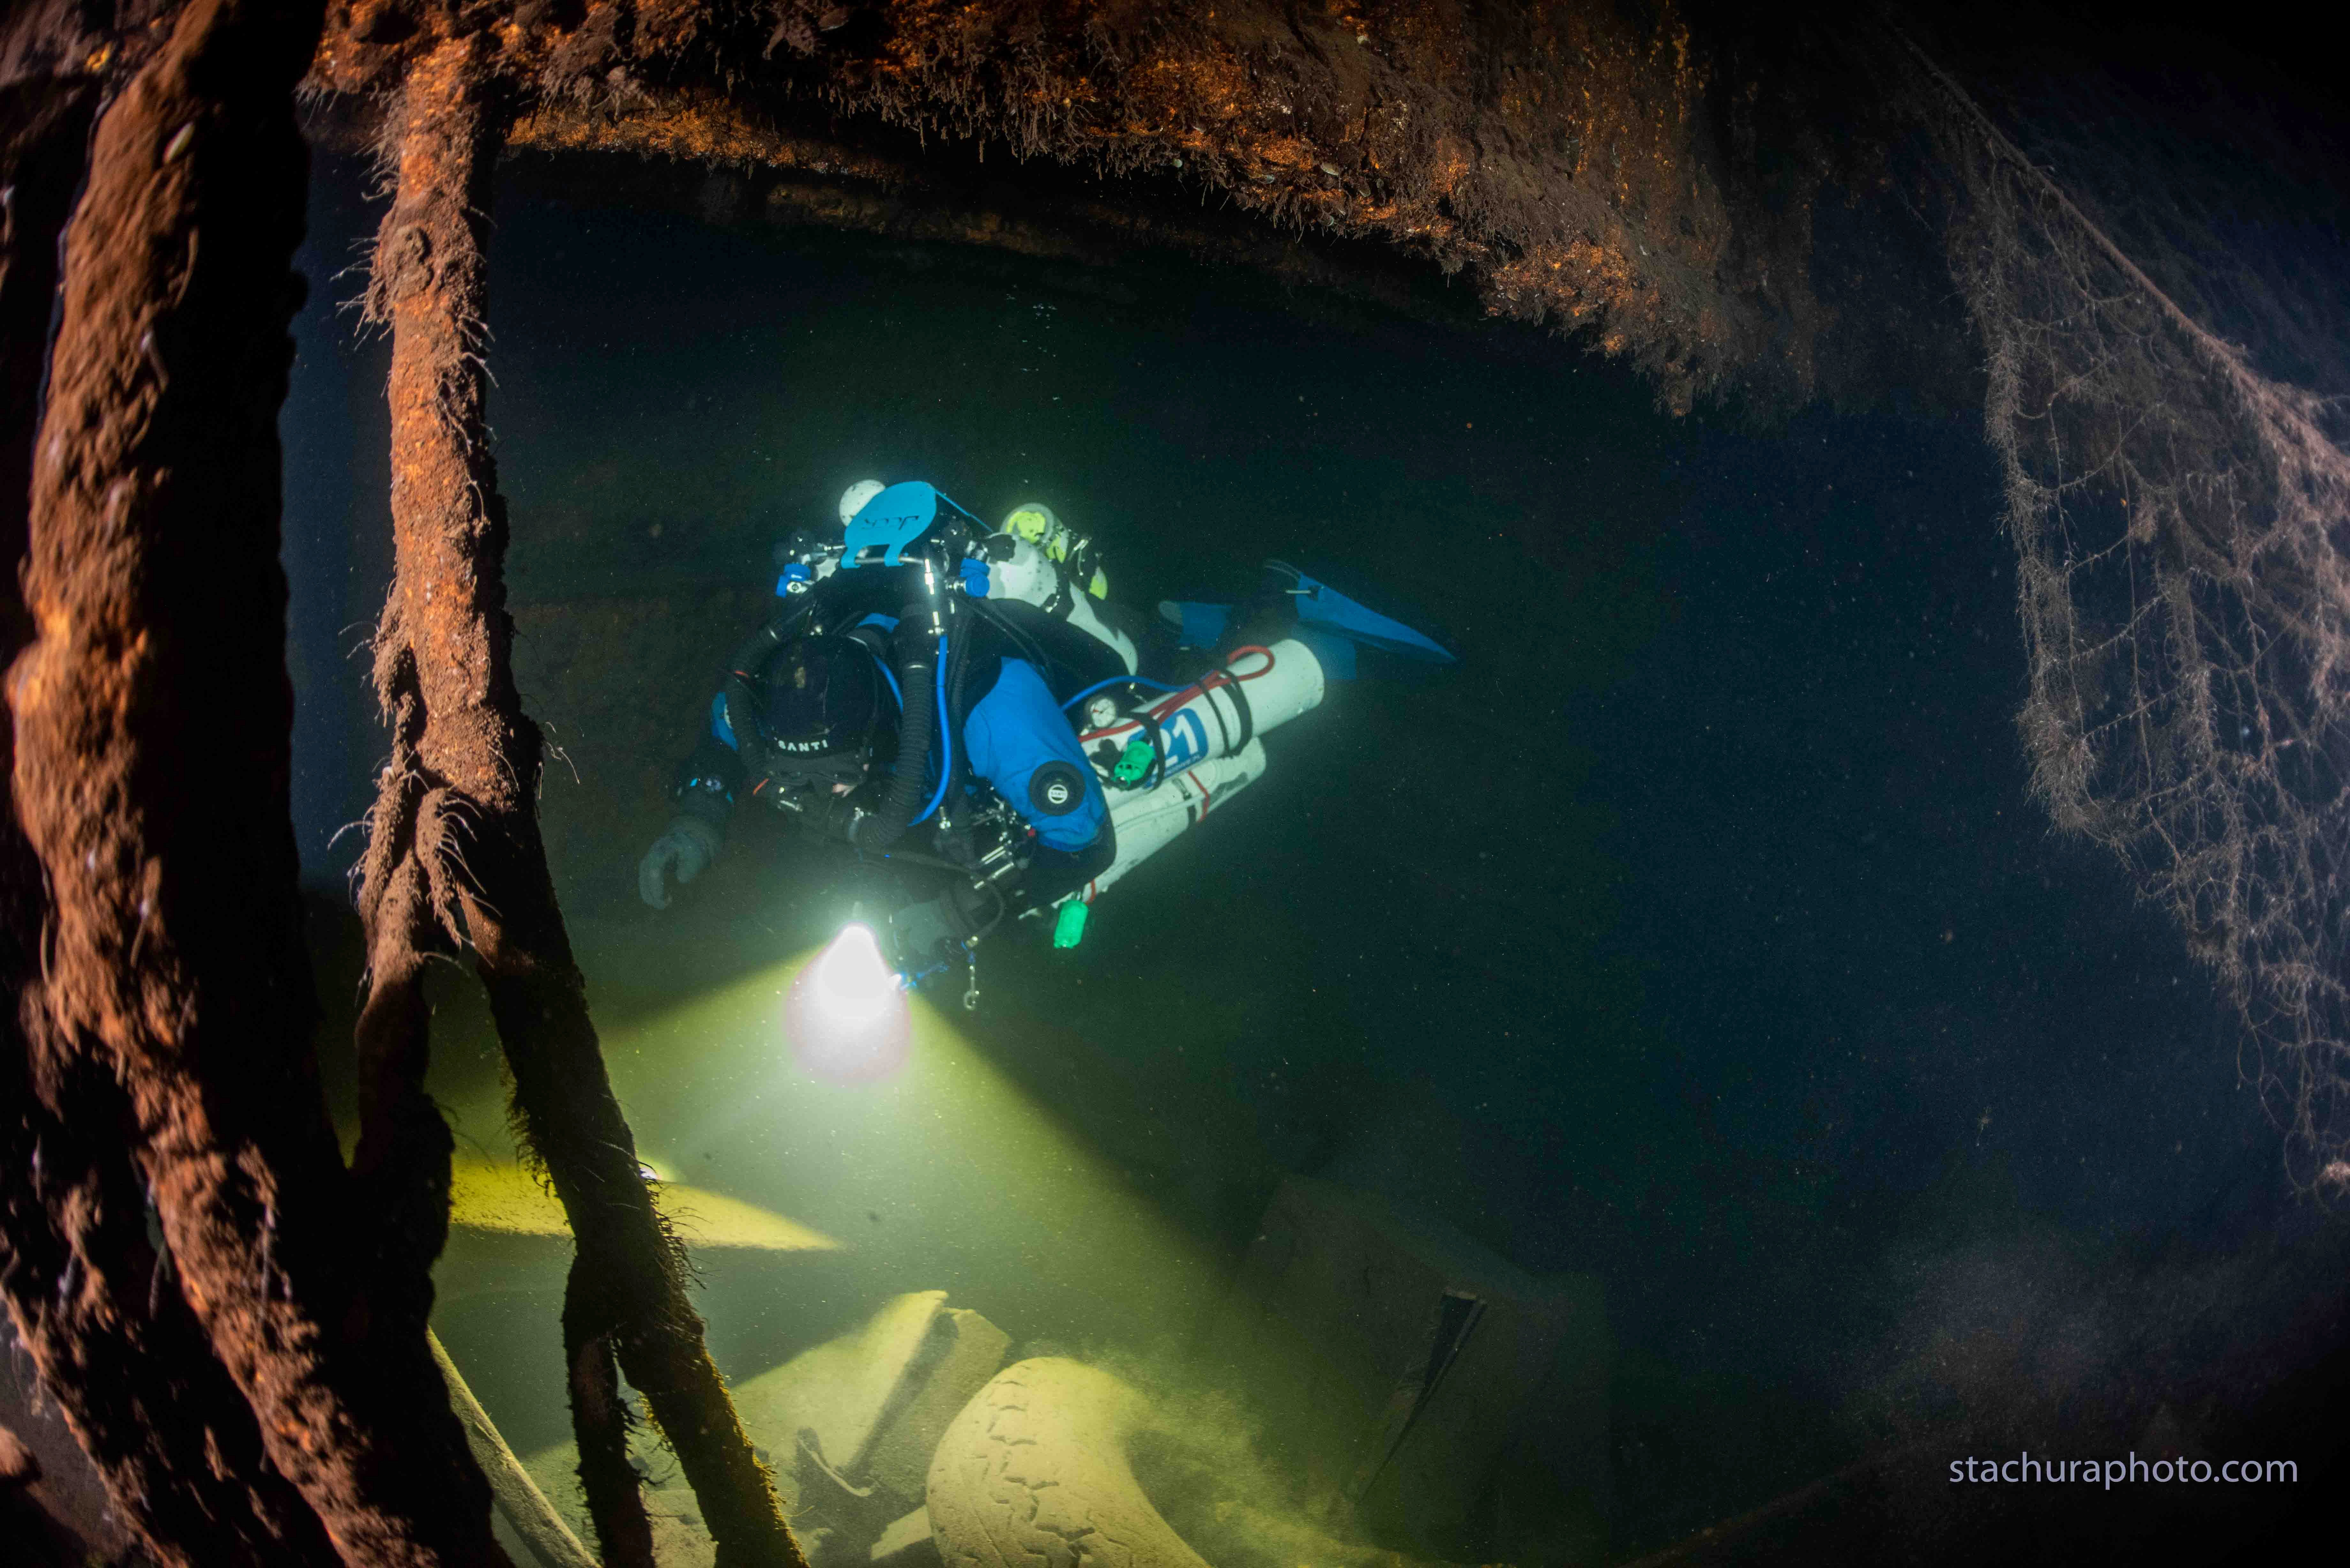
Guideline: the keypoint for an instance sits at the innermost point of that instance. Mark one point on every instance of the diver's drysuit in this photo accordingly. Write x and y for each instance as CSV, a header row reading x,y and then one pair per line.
x,y
1014,699
973,765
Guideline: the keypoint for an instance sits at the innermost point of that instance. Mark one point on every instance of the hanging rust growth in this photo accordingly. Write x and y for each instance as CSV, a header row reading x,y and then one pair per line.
x,y
235,1393
454,860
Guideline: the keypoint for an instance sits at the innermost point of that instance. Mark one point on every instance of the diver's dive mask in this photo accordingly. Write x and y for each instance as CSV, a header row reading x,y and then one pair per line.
x,y
817,721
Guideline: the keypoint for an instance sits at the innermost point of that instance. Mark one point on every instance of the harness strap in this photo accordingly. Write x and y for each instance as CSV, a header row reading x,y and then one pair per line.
x,y
1241,711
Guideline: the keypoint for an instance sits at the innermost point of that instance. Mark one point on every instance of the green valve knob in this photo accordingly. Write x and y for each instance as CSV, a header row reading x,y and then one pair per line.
x,y
1133,764
1069,927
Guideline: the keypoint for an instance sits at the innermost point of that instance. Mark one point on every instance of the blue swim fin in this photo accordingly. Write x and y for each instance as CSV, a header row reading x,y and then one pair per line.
x,y
1328,622
1324,607
1201,625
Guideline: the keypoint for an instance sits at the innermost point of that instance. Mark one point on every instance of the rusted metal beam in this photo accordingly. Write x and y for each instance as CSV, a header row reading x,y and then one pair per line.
x,y
76,1266
455,859
152,719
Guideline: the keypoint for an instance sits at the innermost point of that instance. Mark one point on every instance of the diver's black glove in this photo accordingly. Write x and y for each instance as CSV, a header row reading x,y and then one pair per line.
x,y
932,932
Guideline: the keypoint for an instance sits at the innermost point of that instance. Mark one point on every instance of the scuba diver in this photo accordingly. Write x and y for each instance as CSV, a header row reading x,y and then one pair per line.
x,y
969,703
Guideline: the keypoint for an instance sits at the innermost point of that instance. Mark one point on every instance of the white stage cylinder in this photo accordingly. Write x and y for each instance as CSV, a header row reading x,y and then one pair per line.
x,y
1147,821
1207,720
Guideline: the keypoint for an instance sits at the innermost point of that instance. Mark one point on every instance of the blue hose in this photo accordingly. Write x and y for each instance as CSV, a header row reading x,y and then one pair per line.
x,y
891,677
946,737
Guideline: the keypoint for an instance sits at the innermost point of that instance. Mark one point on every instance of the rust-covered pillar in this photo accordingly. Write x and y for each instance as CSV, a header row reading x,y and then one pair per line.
x,y
455,856
125,1361
170,1027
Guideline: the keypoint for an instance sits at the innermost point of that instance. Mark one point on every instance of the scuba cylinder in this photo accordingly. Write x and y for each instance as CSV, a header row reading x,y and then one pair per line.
x,y
1148,821
1200,746
1019,570
1260,689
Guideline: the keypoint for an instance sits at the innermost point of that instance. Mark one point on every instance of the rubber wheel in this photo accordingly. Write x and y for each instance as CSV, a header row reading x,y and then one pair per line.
x,y
1033,1474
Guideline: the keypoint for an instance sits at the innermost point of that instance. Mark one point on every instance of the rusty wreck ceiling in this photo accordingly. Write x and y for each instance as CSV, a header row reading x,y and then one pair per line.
x,y
1625,175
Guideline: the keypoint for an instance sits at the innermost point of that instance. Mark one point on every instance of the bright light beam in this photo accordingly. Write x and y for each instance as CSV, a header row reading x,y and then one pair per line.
x,y
846,1015
946,1175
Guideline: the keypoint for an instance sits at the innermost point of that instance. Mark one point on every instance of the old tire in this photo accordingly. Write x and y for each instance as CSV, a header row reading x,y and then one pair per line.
x,y
1034,1474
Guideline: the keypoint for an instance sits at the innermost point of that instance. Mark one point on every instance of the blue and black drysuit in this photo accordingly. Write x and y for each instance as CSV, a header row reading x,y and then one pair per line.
x,y
1014,734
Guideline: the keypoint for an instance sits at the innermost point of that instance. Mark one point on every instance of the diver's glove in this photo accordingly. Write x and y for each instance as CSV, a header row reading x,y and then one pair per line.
x,y
929,932
686,849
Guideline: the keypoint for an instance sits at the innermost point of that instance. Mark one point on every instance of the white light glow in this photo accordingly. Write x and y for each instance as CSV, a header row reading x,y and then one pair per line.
x,y
846,1017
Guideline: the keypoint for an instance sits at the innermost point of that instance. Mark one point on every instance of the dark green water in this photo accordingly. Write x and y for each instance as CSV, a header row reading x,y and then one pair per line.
x,y
1694,932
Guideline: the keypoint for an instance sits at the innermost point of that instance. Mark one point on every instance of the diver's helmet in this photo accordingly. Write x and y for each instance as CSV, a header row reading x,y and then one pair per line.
x,y
822,718
853,499
1040,526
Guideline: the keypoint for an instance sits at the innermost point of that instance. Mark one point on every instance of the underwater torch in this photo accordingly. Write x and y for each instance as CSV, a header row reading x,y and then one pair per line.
x,y
846,1015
